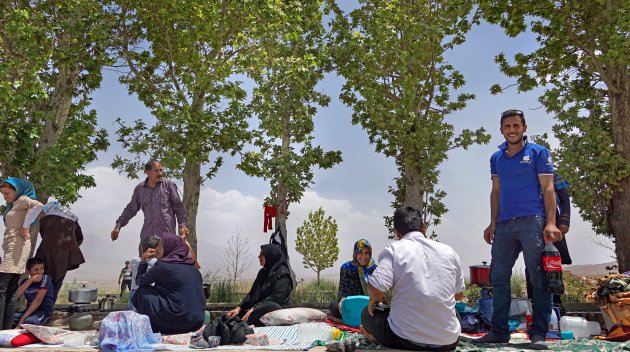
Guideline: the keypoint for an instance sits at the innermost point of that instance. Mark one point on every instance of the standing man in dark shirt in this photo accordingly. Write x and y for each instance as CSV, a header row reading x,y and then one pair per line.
x,y
125,277
522,218
160,203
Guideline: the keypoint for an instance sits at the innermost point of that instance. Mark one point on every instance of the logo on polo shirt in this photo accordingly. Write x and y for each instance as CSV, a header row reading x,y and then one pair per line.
x,y
549,161
526,160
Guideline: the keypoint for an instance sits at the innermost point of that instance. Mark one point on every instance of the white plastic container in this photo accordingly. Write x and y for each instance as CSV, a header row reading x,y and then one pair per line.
x,y
580,326
310,332
594,328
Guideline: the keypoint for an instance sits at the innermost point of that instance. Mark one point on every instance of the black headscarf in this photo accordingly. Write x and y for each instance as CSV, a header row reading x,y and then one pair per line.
x,y
274,258
275,267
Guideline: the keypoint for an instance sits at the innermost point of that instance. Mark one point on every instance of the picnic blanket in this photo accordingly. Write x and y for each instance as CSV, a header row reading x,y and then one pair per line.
x,y
282,338
466,345
519,342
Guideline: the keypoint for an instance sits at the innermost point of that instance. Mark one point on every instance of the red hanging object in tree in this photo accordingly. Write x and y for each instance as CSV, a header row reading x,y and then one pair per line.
x,y
270,213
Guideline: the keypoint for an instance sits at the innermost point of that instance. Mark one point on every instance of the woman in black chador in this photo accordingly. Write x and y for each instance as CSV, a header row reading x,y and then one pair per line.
x,y
271,289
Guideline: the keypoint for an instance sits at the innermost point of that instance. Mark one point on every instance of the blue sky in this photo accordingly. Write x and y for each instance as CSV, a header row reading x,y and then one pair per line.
x,y
354,192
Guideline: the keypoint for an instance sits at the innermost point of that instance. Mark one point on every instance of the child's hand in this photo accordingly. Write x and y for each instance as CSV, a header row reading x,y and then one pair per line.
x,y
19,325
150,253
37,277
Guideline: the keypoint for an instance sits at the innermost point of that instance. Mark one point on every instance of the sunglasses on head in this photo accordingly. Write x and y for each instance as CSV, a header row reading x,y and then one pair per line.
x,y
512,112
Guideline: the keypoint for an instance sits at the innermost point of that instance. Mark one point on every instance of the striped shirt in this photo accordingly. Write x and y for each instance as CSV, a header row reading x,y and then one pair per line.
x,y
161,206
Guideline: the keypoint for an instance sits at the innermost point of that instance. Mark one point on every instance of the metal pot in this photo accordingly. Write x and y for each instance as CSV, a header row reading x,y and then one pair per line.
x,y
106,304
480,274
83,295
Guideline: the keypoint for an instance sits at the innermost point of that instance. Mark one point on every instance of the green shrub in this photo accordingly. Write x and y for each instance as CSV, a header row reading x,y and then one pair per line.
x,y
227,292
472,292
311,292
518,284
124,298
576,288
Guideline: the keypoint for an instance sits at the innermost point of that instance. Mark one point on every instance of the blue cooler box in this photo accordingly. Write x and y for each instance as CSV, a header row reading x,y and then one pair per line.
x,y
351,309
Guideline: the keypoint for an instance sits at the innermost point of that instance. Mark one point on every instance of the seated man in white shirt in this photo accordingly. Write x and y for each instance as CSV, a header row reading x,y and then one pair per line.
x,y
426,278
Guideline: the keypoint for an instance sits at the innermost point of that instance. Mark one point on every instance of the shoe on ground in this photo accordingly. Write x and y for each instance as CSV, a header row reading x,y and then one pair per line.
x,y
491,338
538,343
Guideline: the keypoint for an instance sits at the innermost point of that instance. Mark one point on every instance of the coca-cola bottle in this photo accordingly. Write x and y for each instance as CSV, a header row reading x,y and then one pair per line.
x,y
553,269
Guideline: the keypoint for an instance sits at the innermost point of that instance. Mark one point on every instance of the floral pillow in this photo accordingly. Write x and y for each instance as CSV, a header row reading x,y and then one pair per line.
x,y
47,334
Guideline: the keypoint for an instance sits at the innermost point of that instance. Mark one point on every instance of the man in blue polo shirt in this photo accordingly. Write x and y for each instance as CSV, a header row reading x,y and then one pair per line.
x,y
523,217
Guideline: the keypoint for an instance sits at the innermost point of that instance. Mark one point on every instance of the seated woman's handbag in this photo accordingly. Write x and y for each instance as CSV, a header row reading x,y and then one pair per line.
x,y
230,330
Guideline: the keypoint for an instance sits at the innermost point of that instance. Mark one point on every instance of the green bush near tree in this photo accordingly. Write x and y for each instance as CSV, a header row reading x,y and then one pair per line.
x,y
228,292
311,292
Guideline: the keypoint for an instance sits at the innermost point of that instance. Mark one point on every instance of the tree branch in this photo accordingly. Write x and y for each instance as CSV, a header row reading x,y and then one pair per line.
x,y
171,69
131,65
590,53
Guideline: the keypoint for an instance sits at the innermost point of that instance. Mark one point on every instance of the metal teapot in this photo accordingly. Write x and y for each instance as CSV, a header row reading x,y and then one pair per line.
x,y
106,303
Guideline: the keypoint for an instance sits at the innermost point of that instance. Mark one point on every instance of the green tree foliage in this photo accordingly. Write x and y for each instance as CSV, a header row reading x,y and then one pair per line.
x,y
582,63
51,56
317,241
287,59
391,54
181,57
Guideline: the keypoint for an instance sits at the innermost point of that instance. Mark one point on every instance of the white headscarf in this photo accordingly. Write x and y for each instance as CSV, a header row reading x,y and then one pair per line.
x,y
54,208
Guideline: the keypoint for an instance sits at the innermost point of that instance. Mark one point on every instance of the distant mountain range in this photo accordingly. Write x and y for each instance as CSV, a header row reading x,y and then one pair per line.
x,y
589,270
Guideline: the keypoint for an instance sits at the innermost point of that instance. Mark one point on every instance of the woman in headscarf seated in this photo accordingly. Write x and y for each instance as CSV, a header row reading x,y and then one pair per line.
x,y
175,304
270,291
354,275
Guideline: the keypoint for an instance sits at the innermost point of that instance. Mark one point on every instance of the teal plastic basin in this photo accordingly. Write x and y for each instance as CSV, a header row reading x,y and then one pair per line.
x,y
351,309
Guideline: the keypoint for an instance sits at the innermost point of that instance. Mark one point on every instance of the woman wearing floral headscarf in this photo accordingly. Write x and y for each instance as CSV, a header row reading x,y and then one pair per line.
x,y
354,275
20,212
61,238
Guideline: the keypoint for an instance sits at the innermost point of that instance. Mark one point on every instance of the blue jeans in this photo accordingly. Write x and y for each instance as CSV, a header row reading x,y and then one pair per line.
x,y
38,317
510,238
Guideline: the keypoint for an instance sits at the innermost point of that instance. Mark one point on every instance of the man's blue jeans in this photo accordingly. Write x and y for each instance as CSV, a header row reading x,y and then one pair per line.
x,y
510,238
